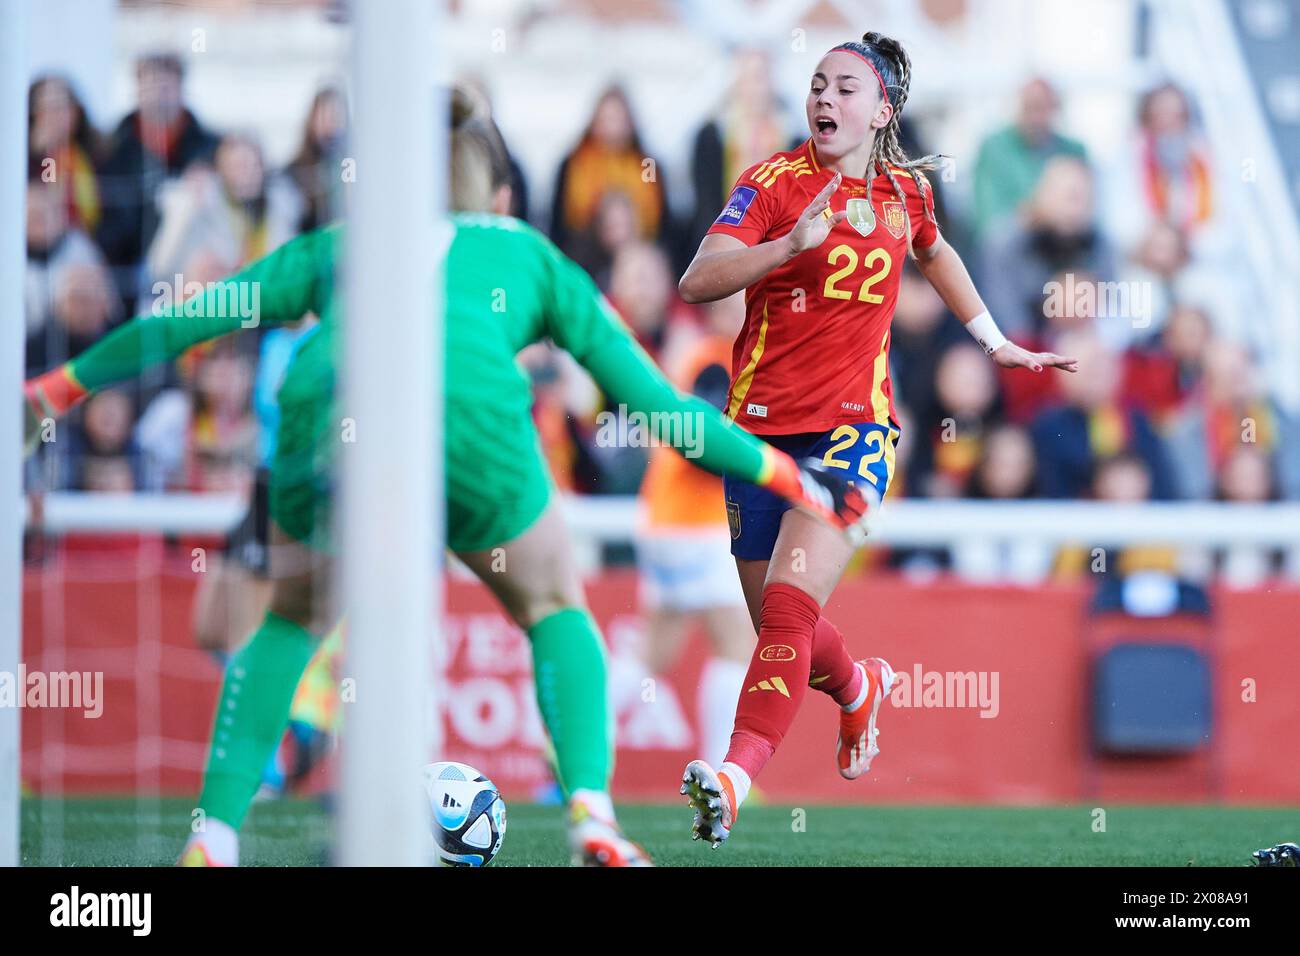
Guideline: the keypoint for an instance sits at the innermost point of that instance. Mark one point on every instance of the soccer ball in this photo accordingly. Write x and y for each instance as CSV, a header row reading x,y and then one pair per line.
x,y
467,814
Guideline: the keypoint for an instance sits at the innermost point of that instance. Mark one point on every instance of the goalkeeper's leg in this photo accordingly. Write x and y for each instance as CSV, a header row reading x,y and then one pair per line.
x,y
255,697
535,578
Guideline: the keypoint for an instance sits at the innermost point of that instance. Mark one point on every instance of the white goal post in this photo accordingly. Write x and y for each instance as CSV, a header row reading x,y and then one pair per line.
x,y
392,466
13,178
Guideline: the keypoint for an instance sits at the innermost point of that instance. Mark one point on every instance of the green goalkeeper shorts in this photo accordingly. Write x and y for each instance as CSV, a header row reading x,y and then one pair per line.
x,y
496,477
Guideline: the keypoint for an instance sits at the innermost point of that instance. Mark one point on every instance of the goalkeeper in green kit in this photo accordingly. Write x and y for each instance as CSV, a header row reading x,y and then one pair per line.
x,y
499,495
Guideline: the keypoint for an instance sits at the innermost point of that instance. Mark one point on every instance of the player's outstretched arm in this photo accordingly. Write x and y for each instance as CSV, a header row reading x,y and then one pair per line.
x,y
699,433
280,287
582,322
723,265
944,270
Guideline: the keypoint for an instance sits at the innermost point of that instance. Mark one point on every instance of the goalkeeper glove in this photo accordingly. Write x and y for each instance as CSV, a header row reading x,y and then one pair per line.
x,y
810,485
46,397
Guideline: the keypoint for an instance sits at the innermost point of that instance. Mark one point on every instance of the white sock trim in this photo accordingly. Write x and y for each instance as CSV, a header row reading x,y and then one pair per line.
x,y
220,839
862,692
597,802
740,781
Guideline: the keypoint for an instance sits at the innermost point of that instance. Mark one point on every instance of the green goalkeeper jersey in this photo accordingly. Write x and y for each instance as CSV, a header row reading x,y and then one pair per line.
x,y
506,286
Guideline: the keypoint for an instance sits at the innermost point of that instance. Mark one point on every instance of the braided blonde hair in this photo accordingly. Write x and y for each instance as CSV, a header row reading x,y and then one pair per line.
x,y
895,68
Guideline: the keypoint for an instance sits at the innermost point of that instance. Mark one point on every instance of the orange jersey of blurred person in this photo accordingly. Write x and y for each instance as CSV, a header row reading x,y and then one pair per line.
x,y
675,493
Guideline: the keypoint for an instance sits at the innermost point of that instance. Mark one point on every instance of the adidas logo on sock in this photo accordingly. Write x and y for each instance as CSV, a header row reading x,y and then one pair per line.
x,y
771,683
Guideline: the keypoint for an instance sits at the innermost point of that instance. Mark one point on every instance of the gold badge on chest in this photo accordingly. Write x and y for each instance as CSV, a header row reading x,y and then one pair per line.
x,y
895,220
861,216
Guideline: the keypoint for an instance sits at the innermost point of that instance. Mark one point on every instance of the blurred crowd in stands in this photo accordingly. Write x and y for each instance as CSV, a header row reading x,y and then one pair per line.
x,y
116,221
1115,261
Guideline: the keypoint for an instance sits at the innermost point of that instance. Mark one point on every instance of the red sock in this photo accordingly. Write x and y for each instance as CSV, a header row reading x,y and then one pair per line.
x,y
777,676
833,670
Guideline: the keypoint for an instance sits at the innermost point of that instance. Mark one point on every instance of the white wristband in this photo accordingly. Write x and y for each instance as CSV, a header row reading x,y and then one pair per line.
x,y
985,331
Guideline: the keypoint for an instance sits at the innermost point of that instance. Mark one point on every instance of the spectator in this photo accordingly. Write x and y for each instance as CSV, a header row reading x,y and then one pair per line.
x,y
107,474
315,169
1123,478
53,246
1011,160
1161,373
107,458
1166,175
1152,274
165,424
1092,423
609,158
1247,477
613,228
95,448
1229,410
83,307
1169,166
222,439
62,148
745,129
1057,237
153,144
1070,302
918,336
642,290
1006,469
236,212
949,447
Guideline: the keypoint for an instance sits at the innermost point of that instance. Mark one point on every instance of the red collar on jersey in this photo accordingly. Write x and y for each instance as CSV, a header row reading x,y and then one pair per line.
x,y
849,49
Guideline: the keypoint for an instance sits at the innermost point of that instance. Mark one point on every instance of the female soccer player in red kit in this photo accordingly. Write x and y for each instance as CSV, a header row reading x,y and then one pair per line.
x,y
817,238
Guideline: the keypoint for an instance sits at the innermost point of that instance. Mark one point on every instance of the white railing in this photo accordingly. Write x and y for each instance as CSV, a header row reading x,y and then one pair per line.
x,y
904,523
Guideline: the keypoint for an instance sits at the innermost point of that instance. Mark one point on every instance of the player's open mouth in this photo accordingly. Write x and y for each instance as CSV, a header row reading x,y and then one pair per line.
x,y
826,127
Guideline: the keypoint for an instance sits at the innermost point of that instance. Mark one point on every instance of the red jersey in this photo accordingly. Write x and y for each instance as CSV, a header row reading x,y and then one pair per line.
x,y
814,350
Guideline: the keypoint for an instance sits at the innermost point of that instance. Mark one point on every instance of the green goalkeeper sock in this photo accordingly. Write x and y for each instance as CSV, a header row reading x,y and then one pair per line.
x,y
569,673
251,715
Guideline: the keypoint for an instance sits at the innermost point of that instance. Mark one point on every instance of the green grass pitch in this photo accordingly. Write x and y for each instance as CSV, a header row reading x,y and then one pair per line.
x,y
126,832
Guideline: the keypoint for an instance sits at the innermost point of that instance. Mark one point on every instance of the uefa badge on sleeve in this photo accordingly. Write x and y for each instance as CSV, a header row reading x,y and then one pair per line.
x,y
861,216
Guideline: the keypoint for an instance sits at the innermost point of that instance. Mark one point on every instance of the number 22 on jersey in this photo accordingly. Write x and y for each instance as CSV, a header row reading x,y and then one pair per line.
x,y
878,260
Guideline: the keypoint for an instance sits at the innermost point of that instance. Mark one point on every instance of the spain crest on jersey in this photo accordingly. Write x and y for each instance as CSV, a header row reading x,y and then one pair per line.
x,y
895,220
861,216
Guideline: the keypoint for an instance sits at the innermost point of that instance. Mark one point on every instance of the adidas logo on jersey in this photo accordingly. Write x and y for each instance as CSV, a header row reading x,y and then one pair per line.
x,y
758,411
770,171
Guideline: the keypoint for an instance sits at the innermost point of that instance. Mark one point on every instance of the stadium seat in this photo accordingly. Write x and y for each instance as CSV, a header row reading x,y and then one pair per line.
x,y
1151,698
